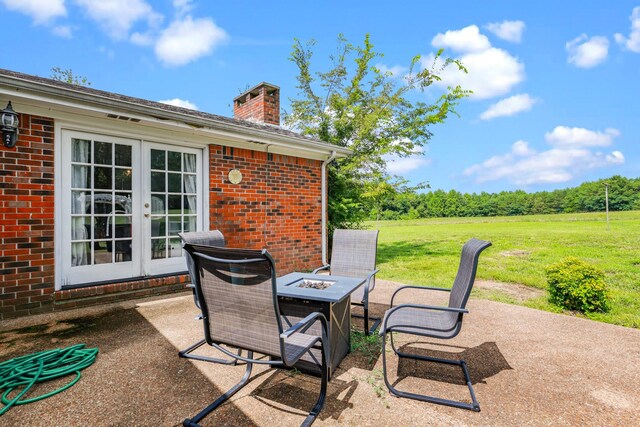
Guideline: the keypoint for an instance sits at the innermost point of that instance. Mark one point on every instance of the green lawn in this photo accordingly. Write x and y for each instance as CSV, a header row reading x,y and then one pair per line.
x,y
427,252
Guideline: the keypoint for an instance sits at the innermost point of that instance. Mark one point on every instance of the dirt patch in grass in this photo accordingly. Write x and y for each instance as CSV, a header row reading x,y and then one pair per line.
x,y
515,252
513,290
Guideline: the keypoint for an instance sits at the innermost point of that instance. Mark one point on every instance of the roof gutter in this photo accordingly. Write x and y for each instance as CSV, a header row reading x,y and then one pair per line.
x,y
324,206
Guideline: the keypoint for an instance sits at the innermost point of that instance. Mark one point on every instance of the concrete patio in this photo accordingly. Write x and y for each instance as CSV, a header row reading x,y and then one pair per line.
x,y
528,368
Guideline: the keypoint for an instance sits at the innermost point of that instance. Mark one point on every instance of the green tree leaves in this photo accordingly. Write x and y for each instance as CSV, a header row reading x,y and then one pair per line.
x,y
624,194
67,76
356,105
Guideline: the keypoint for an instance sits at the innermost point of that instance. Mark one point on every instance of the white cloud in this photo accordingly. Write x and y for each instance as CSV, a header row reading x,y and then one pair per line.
x,y
631,43
561,163
142,39
402,165
585,52
509,106
41,11
62,31
177,102
491,71
117,17
182,7
187,40
510,31
615,157
521,148
563,136
397,165
467,39
396,71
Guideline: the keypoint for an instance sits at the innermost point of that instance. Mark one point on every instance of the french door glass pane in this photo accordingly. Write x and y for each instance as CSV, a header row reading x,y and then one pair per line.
x,y
158,160
123,155
101,202
81,177
173,200
81,151
123,179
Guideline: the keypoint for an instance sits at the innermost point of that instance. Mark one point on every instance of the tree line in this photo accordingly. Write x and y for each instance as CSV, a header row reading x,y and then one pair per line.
x,y
401,202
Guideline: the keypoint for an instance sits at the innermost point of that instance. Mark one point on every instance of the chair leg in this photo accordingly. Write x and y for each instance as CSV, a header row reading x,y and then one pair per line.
x,y
186,353
193,422
475,406
368,331
323,392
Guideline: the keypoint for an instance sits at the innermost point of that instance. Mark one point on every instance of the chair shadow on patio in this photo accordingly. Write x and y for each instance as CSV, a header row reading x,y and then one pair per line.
x,y
291,392
483,361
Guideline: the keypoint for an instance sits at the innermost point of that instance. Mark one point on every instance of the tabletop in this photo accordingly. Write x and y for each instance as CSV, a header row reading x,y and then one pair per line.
x,y
339,287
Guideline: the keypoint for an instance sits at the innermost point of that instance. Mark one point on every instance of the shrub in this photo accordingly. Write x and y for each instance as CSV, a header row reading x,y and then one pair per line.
x,y
577,285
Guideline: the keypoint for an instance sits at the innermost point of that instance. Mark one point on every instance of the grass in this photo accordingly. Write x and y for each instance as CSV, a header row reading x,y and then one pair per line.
x,y
367,345
427,252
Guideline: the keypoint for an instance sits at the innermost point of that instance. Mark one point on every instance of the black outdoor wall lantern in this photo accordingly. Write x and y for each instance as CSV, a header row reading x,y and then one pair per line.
x,y
9,122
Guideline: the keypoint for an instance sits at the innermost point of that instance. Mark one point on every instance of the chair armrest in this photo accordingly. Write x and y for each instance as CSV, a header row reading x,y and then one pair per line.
x,y
424,288
324,267
368,289
307,321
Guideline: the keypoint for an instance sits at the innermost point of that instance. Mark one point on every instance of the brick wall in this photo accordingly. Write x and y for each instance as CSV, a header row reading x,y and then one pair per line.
x,y
26,220
114,292
276,206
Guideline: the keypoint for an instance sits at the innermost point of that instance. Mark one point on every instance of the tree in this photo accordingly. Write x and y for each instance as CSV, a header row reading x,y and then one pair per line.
x,y
67,76
357,105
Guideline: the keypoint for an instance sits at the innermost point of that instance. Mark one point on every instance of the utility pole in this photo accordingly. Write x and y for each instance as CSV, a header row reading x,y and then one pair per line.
x,y
606,202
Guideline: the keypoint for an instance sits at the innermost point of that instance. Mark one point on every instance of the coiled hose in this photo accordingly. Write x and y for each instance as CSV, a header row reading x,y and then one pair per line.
x,y
25,371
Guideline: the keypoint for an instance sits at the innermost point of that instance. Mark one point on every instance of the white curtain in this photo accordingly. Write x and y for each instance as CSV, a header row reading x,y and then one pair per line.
x,y
81,154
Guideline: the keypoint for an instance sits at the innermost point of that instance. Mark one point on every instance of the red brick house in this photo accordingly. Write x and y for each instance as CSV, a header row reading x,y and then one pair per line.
x,y
99,184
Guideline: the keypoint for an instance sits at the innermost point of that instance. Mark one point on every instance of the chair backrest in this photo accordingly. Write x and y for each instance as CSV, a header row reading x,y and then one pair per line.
x,y
238,297
206,238
466,272
353,252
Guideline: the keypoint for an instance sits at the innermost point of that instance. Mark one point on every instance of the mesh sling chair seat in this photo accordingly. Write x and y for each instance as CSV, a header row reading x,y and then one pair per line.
x,y
237,292
435,322
206,238
353,254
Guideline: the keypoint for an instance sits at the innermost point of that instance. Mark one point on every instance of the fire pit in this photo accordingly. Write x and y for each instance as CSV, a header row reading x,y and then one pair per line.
x,y
300,294
314,284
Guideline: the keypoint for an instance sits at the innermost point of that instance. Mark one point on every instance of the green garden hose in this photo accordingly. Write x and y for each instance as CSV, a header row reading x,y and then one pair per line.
x,y
25,371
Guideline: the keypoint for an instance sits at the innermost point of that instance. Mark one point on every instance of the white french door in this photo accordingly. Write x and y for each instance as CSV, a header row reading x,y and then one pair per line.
x,y
124,201
172,202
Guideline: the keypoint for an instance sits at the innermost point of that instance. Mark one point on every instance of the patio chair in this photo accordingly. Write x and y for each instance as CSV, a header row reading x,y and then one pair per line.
x,y
237,292
353,254
436,322
207,238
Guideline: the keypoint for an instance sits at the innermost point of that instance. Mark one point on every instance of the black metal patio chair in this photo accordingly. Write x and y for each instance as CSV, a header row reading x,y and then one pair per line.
x,y
206,238
237,292
436,322
353,254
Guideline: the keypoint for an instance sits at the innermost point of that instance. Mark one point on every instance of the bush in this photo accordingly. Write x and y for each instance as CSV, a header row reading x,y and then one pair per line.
x,y
576,285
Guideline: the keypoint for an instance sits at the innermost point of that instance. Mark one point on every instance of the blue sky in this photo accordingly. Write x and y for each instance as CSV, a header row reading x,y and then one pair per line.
x,y
556,83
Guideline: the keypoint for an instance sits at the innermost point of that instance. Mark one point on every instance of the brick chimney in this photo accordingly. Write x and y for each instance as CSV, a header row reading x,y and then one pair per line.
x,y
259,104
